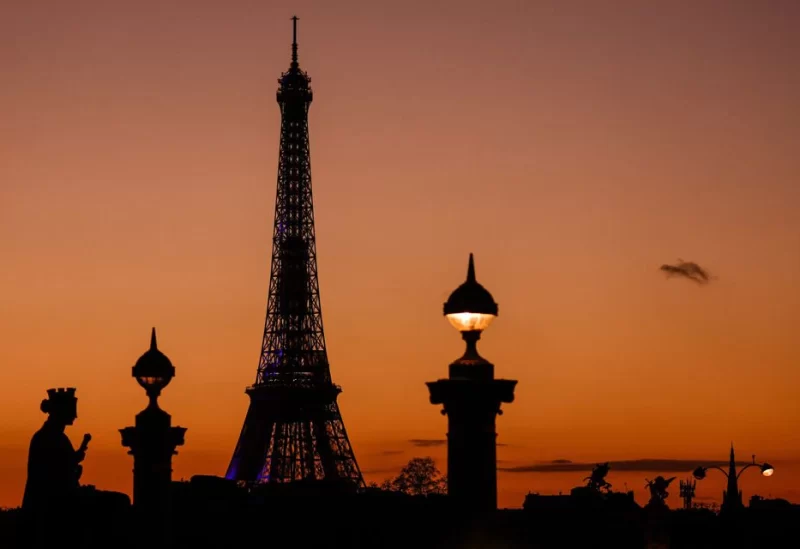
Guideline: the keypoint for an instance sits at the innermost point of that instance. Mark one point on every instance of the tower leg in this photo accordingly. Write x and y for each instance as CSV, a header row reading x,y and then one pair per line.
x,y
253,445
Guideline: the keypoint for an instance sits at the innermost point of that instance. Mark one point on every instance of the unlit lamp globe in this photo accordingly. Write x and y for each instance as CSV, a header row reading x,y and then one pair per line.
x,y
153,371
469,322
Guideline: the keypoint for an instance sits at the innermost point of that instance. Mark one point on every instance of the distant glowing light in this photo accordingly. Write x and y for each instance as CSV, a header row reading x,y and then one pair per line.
x,y
767,470
467,322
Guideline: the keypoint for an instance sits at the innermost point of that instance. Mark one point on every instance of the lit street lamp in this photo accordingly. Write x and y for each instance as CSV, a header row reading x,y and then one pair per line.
x,y
766,469
471,398
732,497
470,309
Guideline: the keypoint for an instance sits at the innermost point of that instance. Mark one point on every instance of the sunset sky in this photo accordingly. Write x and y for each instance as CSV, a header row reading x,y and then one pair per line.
x,y
573,147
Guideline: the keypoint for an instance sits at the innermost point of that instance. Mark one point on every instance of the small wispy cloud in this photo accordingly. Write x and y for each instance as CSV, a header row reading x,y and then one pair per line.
x,y
427,442
391,452
641,465
381,471
687,269
431,442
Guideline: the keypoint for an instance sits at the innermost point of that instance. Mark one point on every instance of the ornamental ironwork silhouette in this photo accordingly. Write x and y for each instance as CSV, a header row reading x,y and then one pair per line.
x,y
293,430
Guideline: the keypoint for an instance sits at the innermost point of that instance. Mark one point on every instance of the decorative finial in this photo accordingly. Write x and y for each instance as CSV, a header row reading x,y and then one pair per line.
x,y
471,270
153,345
294,40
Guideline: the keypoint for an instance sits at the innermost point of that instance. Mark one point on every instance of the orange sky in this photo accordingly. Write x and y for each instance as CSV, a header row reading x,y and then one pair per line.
x,y
572,147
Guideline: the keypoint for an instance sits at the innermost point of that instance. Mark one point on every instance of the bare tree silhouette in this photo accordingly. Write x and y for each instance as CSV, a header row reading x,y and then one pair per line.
x,y
419,477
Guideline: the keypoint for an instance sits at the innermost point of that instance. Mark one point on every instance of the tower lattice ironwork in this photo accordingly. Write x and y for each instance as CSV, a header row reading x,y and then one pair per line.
x,y
687,492
293,430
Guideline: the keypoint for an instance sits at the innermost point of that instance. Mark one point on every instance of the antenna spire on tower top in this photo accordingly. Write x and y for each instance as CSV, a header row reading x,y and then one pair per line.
x,y
471,270
294,39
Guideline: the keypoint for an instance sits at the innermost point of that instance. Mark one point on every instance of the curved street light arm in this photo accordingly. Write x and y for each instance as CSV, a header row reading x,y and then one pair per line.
x,y
743,469
766,469
718,468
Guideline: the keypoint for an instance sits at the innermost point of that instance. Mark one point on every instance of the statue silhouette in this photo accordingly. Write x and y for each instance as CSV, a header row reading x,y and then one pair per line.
x,y
597,480
54,468
658,490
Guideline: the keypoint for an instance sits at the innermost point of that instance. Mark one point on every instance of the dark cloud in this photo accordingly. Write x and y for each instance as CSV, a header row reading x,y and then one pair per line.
x,y
689,270
427,442
642,465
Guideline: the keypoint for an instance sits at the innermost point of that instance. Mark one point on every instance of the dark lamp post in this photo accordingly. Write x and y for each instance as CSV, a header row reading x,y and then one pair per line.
x,y
152,442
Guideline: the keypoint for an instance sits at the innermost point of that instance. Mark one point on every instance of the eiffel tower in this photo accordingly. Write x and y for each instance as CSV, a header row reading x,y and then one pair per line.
x,y
293,430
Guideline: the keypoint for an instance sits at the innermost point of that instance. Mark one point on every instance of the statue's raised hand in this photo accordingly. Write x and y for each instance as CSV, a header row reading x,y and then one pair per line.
x,y
81,453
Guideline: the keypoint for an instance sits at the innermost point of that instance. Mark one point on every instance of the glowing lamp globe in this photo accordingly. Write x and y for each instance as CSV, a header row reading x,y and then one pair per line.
x,y
467,322
470,308
767,470
153,370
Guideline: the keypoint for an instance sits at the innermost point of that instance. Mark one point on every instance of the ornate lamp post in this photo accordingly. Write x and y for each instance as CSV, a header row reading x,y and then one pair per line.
x,y
153,440
732,497
471,399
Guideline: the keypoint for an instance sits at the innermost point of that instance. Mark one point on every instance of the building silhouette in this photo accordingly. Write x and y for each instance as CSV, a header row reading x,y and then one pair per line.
x,y
293,430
